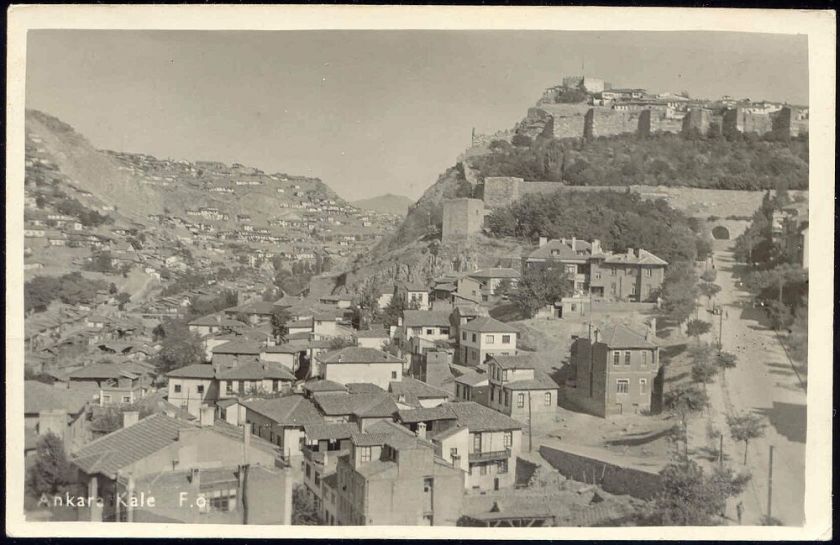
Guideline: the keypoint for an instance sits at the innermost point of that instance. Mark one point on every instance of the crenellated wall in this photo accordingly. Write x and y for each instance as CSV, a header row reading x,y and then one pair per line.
x,y
606,122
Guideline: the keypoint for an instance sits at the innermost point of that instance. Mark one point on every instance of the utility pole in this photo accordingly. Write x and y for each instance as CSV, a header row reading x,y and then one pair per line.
x,y
530,439
770,486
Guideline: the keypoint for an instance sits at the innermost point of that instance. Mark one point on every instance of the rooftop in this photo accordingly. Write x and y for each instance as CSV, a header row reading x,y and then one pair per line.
x,y
520,361
621,336
487,324
479,418
258,371
358,354
419,318
495,272
417,388
292,411
38,396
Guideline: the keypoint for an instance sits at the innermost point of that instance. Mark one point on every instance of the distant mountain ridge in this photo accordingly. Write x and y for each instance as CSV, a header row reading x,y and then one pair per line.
x,y
386,204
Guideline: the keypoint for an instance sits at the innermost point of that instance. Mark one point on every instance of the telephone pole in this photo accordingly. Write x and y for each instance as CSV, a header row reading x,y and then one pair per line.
x,y
770,486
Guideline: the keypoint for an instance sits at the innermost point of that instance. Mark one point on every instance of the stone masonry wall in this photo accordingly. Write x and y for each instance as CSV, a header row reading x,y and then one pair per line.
x,y
604,122
500,191
462,218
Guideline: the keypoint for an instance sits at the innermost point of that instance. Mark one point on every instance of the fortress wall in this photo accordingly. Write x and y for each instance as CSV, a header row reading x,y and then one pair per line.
x,y
462,218
605,122
500,191
530,188
567,119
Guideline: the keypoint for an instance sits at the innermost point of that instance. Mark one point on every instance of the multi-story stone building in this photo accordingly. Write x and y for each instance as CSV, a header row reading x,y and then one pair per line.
x,y
518,390
635,275
615,371
484,337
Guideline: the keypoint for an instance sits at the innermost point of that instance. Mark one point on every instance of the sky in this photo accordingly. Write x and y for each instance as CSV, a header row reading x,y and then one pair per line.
x,y
368,112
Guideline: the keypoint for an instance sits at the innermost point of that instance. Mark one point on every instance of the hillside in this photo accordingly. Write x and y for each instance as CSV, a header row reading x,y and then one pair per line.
x,y
139,185
386,204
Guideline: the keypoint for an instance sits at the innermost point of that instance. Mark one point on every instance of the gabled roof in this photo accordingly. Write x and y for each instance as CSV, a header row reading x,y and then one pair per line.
x,y
479,418
323,386
110,453
372,334
419,318
413,286
621,336
358,354
363,388
541,381
487,324
196,370
472,378
290,411
38,396
103,371
520,361
363,405
237,347
417,388
562,250
216,320
412,416
642,258
495,272
258,371
324,430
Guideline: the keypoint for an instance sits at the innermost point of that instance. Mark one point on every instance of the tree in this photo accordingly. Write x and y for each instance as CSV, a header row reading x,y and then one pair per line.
x,y
504,288
708,290
691,498
336,343
279,325
684,401
695,328
744,427
709,275
304,510
111,418
727,360
704,372
179,347
679,291
539,287
51,472
394,311
122,299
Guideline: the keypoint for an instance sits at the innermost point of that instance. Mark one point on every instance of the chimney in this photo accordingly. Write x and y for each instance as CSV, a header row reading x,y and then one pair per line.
x,y
421,430
574,243
630,252
130,418
207,415
596,247
596,335
543,241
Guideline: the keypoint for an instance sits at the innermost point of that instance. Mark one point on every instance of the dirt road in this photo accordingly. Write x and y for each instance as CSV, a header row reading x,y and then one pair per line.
x,y
766,383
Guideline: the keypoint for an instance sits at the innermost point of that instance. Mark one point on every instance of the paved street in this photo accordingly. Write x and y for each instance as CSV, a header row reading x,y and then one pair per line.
x,y
765,382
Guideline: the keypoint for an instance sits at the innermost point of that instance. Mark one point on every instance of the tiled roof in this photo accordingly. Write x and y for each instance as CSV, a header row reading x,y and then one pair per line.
x,y
287,348
418,318
413,286
621,336
102,371
258,371
196,370
358,354
38,396
237,347
520,361
418,388
126,446
541,381
486,324
324,386
372,334
496,272
363,388
643,258
557,249
473,378
256,307
448,432
412,416
479,418
365,405
291,410
216,320
323,430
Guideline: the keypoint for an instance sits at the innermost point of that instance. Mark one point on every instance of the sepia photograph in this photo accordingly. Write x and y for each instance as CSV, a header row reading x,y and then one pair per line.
x,y
347,271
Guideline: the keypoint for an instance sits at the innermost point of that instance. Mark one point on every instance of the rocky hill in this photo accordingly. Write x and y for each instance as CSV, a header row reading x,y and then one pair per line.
x,y
386,204
139,185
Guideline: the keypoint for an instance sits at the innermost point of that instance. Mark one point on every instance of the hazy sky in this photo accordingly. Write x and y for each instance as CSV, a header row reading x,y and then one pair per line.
x,y
369,112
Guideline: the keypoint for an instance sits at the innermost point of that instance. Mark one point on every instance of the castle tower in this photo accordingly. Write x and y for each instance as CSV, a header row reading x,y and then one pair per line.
x,y
462,218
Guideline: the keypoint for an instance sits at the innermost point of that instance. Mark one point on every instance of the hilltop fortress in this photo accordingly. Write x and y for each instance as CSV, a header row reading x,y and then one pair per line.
x,y
585,107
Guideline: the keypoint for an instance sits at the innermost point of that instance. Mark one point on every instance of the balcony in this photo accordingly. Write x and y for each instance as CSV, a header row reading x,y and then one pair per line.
x,y
489,456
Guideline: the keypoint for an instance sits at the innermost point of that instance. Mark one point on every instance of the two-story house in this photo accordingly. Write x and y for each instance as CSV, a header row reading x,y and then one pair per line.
x,y
615,371
359,364
393,477
430,325
484,337
415,294
518,390
192,386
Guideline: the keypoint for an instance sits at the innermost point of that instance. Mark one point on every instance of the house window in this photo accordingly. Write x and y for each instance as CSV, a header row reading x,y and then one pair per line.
x,y
126,399
476,442
444,331
428,484
612,272
503,466
222,500
648,272
308,471
505,376
622,386
520,400
492,393
644,358
505,339
548,399
275,385
598,275
616,357
430,331
483,469
473,337
394,375
463,335
643,386
491,339
365,454
633,289
507,398
508,439
627,357
229,388
177,389
574,306
613,288
199,389
317,478
453,452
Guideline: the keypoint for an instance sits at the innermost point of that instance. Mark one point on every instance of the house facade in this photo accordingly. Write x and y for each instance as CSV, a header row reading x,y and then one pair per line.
x,y
484,337
518,390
